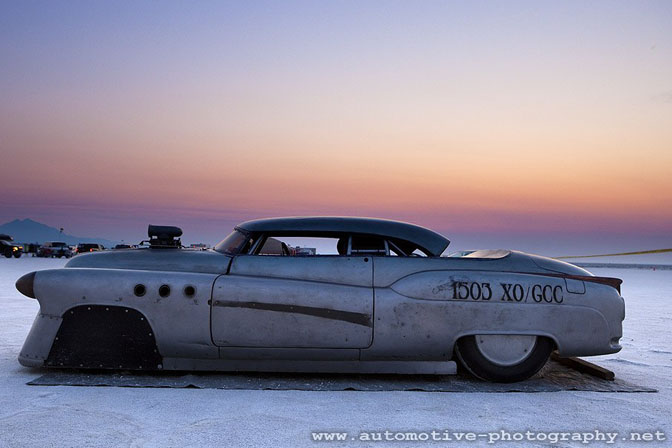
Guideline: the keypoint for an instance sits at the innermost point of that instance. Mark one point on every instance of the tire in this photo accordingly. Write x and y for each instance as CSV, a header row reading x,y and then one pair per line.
x,y
17,254
8,253
503,358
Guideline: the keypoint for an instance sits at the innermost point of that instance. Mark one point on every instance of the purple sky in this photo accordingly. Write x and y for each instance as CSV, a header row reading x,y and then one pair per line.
x,y
539,126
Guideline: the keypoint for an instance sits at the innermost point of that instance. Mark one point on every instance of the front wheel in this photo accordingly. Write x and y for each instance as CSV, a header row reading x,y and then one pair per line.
x,y
17,254
503,358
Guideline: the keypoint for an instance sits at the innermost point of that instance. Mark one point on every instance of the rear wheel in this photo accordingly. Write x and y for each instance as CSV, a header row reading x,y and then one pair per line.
x,y
503,358
8,253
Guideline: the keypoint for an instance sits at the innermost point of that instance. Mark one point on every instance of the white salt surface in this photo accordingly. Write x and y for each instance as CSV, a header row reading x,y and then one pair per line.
x,y
55,416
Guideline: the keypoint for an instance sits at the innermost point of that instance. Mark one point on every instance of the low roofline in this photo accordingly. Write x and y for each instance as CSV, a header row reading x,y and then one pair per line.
x,y
427,239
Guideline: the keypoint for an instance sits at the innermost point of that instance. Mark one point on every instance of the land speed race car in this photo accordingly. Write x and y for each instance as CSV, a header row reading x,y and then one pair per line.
x,y
319,294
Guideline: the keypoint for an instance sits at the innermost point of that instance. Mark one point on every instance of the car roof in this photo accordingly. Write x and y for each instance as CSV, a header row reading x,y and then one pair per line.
x,y
424,238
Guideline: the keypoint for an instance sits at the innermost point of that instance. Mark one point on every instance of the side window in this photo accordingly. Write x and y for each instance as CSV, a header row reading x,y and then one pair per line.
x,y
368,245
394,251
303,246
272,246
248,245
418,253
402,248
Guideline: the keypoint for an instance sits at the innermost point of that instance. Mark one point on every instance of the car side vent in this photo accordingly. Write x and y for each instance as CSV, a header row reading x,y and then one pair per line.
x,y
164,237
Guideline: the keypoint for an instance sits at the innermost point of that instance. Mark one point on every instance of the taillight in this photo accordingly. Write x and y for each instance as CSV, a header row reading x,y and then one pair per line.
x,y
609,281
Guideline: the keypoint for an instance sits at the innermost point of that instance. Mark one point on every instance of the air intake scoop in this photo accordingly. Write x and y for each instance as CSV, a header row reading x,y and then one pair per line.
x,y
164,237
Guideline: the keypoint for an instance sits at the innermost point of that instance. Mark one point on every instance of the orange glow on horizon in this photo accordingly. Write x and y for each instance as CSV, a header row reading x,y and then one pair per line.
x,y
453,116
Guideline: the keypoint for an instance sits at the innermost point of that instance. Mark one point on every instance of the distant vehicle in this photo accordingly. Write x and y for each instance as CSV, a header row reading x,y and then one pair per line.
x,y
54,249
123,246
31,248
362,295
88,247
8,248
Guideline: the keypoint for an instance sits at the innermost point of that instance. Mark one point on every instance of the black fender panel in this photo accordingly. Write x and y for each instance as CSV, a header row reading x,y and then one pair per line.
x,y
104,337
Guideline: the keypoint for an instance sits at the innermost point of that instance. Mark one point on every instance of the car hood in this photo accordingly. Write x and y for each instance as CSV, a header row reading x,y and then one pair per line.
x,y
178,260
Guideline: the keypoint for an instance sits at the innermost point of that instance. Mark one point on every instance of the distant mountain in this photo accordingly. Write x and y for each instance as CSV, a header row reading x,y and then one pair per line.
x,y
29,231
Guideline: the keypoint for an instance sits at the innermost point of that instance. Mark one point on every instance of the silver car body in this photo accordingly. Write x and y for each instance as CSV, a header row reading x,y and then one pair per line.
x,y
355,312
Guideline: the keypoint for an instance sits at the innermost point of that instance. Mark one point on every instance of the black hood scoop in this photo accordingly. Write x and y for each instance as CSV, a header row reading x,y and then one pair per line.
x,y
164,237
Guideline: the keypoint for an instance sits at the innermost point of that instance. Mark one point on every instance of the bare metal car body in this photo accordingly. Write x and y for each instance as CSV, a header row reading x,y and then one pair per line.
x,y
367,309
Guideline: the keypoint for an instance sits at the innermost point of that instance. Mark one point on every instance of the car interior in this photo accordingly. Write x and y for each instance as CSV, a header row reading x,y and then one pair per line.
x,y
344,245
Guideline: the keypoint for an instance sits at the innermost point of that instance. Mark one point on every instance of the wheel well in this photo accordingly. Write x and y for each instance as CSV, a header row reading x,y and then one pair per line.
x,y
108,337
474,333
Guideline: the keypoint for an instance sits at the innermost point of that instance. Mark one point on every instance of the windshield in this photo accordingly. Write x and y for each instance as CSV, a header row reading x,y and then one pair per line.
x,y
232,243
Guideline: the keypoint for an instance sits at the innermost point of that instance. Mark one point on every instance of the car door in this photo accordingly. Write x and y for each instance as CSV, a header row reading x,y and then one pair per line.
x,y
294,301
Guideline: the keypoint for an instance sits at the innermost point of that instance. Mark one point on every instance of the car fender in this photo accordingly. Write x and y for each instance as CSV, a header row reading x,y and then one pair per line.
x,y
180,321
427,312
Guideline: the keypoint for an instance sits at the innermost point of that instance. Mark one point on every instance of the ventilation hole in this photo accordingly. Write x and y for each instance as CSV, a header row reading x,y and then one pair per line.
x,y
139,290
164,291
189,291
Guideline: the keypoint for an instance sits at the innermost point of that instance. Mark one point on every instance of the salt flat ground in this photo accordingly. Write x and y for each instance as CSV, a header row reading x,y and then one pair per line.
x,y
57,416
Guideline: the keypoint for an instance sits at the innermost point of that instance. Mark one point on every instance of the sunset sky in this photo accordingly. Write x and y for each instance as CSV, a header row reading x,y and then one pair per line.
x,y
544,126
